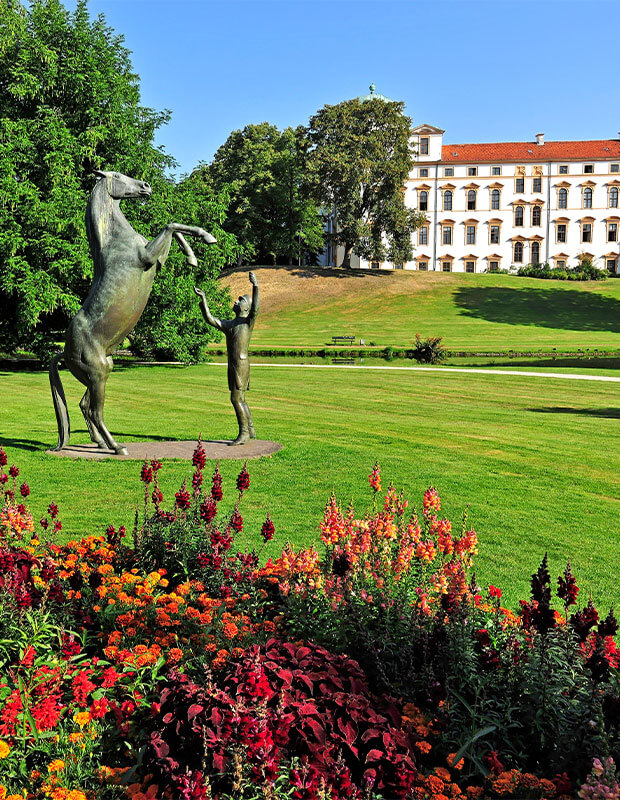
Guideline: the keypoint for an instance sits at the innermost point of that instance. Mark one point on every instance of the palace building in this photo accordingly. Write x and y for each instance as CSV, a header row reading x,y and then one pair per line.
x,y
504,205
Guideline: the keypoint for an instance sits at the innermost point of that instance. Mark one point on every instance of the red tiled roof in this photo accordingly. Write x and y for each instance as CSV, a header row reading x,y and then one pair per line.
x,y
604,149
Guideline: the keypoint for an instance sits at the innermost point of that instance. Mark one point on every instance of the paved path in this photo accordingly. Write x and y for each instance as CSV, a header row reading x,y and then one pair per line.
x,y
215,449
433,370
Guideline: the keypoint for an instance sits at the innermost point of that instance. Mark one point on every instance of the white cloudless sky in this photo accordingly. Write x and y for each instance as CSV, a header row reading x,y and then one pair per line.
x,y
483,71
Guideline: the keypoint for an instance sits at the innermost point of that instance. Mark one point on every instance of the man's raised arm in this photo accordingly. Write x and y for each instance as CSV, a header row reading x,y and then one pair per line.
x,y
214,321
255,298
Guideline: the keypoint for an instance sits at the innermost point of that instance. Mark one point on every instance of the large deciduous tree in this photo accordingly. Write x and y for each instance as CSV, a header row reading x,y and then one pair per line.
x,y
360,157
272,212
69,103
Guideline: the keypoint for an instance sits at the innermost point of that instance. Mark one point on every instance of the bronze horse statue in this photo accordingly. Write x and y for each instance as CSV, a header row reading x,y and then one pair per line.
x,y
125,264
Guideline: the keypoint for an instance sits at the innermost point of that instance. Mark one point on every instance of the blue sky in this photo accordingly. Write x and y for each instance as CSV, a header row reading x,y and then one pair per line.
x,y
482,71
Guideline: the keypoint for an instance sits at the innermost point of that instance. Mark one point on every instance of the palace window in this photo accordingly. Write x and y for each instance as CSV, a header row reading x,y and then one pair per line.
x,y
563,198
536,215
612,265
518,216
563,169
493,266
447,200
614,167
587,197
496,170
519,184
560,232
493,234
613,197
471,200
446,266
495,200
374,265
560,263
535,252
472,171
423,266
446,234
423,201
424,146
423,172
423,235
612,231
448,172
586,231
470,236
537,184
588,169
518,253
470,266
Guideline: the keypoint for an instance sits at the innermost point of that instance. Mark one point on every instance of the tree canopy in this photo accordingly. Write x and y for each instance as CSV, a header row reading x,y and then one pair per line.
x,y
359,159
272,211
69,103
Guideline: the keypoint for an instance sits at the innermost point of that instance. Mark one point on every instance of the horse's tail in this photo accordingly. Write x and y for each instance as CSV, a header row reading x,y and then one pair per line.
x,y
60,403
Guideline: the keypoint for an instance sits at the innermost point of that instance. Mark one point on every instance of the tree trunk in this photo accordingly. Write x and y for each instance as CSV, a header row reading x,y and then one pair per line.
x,y
346,258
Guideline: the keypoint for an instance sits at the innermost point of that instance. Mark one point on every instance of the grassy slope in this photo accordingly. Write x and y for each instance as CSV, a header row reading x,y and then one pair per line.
x,y
537,459
305,307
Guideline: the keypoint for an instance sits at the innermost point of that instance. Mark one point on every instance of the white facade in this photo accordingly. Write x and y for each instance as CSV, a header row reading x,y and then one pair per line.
x,y
504,205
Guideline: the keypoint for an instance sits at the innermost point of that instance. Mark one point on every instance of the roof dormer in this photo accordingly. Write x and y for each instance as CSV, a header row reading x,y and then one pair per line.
x,y
427,140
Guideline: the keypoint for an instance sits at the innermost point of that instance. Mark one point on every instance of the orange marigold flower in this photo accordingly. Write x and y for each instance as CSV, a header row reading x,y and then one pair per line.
x,y
174,655
56,766
442,773
4,749
82,718
547,787
423,747
269,626
450,760
434,783
474,792
230,630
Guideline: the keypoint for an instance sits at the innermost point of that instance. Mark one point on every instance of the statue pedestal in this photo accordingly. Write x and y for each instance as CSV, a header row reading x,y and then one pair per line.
x,y
215,449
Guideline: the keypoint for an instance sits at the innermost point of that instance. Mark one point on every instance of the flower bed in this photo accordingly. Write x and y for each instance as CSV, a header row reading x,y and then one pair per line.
x,y
166,664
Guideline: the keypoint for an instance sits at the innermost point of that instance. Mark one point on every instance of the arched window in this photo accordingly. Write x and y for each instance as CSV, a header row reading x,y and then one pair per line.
x,y
536,214
613,197
423,201
447,200
495,199
471,200
563,198
534,252
587,198
519,216
518,253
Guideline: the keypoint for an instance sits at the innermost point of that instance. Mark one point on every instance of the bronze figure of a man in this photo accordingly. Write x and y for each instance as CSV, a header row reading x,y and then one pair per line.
x,y
238,332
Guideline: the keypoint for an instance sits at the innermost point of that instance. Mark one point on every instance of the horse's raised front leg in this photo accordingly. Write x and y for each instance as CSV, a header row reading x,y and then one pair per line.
x,y
156,251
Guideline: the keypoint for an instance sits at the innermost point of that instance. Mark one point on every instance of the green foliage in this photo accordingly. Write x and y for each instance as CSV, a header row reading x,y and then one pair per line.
x,y
586,271
429,351
69,103
359,159
273,214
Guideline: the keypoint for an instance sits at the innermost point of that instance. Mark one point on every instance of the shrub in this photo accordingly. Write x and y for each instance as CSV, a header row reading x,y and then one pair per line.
x,y
429,351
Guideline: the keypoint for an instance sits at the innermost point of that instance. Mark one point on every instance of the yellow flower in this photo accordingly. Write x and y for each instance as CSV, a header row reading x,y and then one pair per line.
x,y
82,718
56,766
4,749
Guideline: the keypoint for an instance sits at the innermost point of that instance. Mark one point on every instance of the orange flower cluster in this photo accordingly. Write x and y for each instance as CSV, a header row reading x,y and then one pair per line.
x,y
513,783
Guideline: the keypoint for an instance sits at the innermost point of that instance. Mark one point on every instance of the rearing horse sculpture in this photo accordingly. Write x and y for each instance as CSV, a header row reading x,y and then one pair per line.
x,y
125,264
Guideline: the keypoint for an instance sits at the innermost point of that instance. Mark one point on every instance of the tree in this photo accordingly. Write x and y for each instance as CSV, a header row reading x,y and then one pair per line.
x,y
271,212
359,158
69,103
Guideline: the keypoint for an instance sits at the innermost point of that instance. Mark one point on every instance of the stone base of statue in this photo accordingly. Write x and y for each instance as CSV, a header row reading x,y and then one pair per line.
x,y
215,449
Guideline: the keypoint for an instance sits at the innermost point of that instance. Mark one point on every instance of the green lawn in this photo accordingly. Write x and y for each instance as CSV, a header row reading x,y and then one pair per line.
x,y
306,307
538,460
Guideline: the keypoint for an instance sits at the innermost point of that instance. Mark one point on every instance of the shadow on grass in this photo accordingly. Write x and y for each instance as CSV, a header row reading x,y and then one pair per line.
x,y
316,272
581,364
568,309
25,444
606,413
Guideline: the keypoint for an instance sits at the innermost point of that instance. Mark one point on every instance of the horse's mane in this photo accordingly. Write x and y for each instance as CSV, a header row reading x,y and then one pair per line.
x,y
99,213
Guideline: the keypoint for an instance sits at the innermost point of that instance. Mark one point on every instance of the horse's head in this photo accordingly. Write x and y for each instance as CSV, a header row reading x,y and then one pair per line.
x,y
119,186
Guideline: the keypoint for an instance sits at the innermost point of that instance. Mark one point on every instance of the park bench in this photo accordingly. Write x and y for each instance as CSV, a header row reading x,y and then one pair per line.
x,y
349,339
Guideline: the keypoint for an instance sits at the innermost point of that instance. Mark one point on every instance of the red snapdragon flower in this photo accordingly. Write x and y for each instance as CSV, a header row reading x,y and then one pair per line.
x,y
13,471
199,458
236,520
24,490
146,473
243,479
183,498
374,479
267,530
216,485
